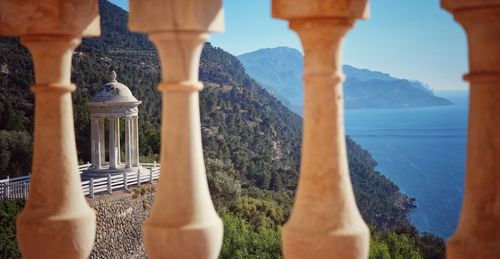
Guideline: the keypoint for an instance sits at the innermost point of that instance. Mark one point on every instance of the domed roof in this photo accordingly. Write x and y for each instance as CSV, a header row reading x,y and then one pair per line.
x,y
113,92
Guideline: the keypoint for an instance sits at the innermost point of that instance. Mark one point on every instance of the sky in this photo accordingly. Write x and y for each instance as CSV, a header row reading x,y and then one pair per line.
x,y
410,39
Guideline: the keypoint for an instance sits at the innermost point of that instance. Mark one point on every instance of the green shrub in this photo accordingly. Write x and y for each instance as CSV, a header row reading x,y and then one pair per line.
x,y
8,242
242,240
391,245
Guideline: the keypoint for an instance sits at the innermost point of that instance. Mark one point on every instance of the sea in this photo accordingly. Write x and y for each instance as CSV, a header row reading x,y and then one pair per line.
x,y
423,151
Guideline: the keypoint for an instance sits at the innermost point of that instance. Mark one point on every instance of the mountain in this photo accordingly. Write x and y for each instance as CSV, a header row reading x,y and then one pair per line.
x,y
251,141
280,69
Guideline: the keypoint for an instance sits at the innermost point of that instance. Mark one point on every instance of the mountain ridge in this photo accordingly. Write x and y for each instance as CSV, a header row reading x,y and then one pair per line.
x,y
280,70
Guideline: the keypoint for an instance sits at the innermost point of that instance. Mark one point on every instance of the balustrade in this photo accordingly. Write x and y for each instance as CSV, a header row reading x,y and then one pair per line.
x,y
325,221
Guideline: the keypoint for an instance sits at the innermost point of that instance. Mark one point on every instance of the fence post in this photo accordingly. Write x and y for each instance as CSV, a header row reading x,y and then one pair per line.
x,y
151,175
125,180
25,189
138,177
154,165
110,189
91,188
7,188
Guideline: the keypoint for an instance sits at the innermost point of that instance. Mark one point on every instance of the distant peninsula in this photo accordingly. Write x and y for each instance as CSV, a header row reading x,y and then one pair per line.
x,y
280,70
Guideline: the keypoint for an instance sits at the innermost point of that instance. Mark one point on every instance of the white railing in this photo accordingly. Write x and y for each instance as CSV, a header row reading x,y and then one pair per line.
x,y
18,187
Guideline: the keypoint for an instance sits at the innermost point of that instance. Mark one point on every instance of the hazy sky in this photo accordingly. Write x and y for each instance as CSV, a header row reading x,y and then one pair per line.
x,y
412,39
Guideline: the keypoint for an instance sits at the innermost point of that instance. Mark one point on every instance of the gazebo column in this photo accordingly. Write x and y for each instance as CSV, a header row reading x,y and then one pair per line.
x,y
95,148
478,231
135,143
102,140
128,143
183,222
132,142
56,221
325,221
112,144
117,138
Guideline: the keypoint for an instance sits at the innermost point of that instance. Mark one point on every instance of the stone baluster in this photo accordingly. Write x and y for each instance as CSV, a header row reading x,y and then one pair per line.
x,y
56,221
478,231
183,222
325,221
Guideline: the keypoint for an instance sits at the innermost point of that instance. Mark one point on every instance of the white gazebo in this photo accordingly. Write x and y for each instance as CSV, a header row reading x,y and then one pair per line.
x,y
113,102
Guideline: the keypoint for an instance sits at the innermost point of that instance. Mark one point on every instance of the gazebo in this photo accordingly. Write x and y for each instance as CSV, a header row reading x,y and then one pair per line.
x,y
112,103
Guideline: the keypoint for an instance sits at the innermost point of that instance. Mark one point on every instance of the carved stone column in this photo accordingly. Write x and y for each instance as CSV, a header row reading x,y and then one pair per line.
x,y
56,221
117,137
95,140
325,221
132,141
478,231
102,140
135,123
128,142
183,222
113,157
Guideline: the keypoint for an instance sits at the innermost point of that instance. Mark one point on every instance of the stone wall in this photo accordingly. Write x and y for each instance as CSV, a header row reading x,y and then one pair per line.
x,y
120,217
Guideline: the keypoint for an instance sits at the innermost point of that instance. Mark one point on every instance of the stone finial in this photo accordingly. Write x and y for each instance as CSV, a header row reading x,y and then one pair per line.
x,y
112,76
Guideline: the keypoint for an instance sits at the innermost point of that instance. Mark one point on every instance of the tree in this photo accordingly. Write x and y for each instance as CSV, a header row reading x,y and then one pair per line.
x,y
242,240
15,153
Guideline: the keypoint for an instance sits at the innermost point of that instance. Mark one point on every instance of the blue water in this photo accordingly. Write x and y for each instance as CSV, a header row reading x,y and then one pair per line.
x,y
422,150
